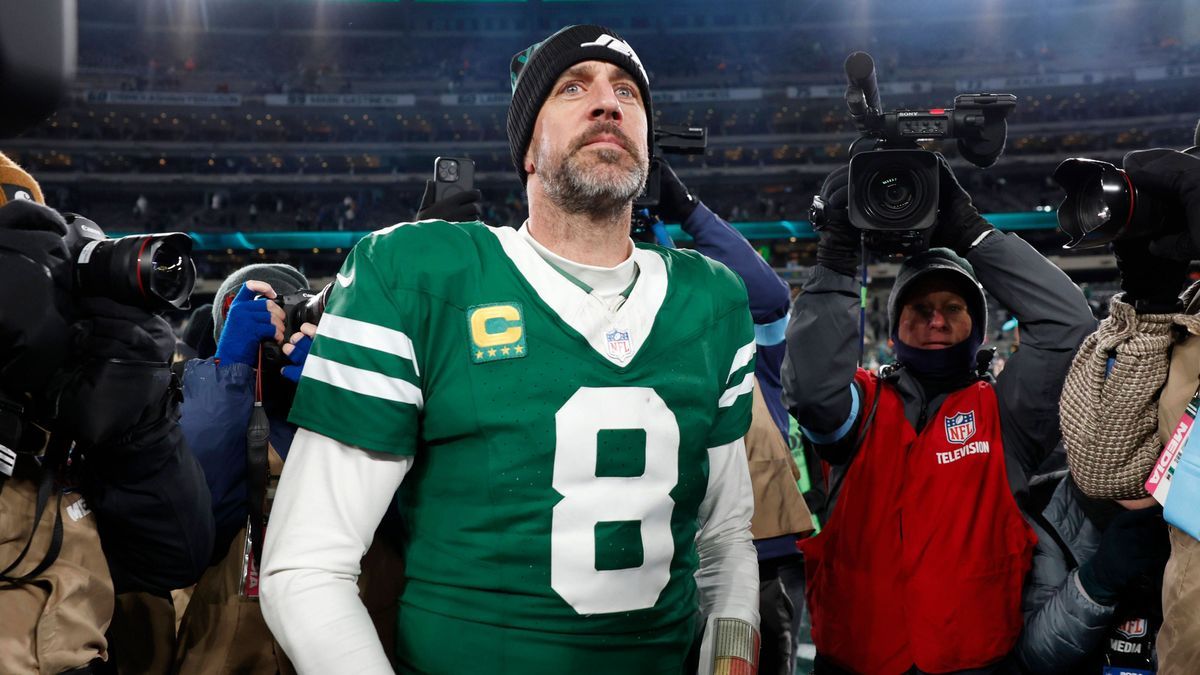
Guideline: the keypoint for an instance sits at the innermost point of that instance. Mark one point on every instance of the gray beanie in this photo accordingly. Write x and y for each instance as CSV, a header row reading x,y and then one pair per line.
x,y
283,278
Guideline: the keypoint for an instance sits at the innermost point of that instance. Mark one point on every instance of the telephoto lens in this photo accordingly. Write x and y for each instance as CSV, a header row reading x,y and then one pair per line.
x,y
1103,204
153,271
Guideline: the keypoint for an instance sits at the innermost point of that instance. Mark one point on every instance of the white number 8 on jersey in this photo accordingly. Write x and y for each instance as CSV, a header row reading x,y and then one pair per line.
x,y
589,499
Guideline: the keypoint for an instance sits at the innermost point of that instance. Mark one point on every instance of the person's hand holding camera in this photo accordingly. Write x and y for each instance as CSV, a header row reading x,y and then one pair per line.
x,y
675,203
297,351
460,207
959,225
838,246
250,320
1177,174
1151,282
1134,544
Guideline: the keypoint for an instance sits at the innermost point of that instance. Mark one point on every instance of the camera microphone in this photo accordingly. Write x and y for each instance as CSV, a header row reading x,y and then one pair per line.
x,y
860,74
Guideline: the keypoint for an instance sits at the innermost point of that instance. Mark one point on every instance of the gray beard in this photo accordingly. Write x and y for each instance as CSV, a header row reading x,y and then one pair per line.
x,y
574,189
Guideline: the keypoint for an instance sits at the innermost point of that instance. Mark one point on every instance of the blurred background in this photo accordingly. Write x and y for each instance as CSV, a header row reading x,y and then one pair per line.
x,y
285,129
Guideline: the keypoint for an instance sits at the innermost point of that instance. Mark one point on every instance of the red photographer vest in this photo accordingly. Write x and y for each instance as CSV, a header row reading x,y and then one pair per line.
x,y
923,558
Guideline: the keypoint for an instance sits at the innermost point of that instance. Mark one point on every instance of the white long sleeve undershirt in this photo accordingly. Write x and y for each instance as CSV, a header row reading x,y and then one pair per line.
x,y
332,496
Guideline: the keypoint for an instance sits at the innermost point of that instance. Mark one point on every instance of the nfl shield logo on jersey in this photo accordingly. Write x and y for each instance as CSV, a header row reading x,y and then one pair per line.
x,y
960,427
619,346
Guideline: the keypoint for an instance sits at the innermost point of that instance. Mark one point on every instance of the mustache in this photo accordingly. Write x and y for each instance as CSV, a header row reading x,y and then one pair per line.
x,y
601,129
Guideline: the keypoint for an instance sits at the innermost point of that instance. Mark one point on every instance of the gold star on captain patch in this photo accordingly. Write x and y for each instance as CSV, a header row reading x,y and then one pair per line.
x,y
491,352
519,349
479,354
505,350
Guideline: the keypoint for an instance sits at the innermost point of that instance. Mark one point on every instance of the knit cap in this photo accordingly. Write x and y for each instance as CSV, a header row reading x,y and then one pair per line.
x,y
534,70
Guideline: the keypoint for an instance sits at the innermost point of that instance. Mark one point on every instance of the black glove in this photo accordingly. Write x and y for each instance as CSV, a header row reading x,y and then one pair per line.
x,y
35,310
839,244
119,377
1172,173
675,203
1151,283
460,207
1133,545
958,223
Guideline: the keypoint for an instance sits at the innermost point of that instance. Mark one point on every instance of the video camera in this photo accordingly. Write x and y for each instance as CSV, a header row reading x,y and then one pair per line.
x,y
893,193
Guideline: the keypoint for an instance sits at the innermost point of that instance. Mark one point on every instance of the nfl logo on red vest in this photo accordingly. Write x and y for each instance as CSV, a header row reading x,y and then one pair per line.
x,y
960,427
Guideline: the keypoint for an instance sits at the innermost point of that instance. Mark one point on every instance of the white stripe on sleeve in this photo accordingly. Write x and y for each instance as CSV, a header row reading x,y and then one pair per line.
x,y
741,358
360,381
369,335
731,394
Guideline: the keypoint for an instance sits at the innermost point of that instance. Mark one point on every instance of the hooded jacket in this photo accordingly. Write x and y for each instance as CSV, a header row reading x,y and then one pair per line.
x,y
820,367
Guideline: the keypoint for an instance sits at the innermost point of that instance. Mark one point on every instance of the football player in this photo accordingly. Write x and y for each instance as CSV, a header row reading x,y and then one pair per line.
x,y
561,411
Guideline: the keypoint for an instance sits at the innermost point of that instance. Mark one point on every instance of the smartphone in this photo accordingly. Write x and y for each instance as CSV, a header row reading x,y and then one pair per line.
x,y
452,175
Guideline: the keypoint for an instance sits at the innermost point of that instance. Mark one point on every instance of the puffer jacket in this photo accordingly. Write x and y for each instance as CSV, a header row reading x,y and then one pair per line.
x,y
1063,625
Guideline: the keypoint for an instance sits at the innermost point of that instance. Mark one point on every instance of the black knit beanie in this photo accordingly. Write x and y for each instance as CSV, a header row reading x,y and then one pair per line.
x,y
535,70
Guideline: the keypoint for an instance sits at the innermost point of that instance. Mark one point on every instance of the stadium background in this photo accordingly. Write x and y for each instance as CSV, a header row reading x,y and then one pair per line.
x,y
283,130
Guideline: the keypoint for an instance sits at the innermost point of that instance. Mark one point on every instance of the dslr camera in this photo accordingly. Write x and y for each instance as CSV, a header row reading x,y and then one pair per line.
x,y
152,271
893,192
303,306
669,139
1103,204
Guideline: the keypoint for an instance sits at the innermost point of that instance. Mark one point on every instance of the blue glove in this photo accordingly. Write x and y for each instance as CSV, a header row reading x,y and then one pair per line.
x,y
298,355
247,324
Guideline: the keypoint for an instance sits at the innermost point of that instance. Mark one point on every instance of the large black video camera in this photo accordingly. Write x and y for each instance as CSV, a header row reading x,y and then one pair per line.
x,y
893,191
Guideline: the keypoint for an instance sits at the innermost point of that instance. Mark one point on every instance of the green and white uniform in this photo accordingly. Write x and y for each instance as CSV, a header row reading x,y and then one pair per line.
x,y
560,448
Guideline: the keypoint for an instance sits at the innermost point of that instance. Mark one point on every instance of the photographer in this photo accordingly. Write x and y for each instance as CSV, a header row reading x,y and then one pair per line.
x,y
99,498
920,566
1125,395
222,630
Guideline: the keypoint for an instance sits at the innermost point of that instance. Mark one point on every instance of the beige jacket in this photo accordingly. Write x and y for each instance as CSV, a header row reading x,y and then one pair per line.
x,y
779,508
58,622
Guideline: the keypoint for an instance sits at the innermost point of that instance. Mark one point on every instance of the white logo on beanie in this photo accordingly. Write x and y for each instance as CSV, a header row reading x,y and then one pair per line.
x,y
621,47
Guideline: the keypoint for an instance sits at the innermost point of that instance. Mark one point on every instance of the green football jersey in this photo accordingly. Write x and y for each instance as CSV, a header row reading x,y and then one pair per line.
x,y
560,447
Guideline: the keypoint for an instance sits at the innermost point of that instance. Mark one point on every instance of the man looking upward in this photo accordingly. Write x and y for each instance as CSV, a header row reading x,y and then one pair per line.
x,y
561,411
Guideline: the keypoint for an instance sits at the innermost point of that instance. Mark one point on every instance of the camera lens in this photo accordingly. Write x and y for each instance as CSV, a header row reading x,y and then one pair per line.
x,y
171,273
153,271
893,193
447,170
1092,210
1102,204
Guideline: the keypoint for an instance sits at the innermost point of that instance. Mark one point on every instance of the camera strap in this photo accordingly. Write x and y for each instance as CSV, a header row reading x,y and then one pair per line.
x,y
10,435
257,473
45,486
